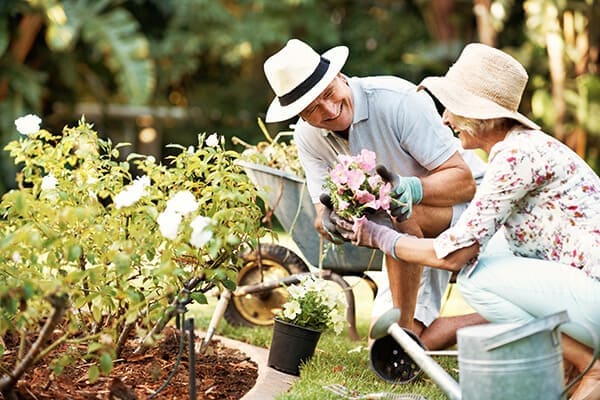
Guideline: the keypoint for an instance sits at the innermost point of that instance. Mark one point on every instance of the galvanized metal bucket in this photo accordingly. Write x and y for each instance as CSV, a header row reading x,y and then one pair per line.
x,y
496,361
508,361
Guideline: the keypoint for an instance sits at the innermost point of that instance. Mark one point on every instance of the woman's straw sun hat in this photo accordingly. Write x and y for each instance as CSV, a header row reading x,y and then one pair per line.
x,y
484,83
298,75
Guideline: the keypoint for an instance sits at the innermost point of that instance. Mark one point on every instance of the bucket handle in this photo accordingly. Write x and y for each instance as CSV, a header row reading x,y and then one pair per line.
x,y
537,325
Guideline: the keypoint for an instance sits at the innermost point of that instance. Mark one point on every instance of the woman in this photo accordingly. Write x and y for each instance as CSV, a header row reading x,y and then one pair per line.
x,y
543,195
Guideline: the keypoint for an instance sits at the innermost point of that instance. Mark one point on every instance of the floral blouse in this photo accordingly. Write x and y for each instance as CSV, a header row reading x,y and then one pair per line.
x,y
546,197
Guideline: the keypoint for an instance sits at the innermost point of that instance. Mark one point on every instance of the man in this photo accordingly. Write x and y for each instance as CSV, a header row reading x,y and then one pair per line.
x,y
389,117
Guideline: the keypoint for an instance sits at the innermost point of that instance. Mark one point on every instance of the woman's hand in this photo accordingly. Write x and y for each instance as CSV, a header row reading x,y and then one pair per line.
x,y
365,232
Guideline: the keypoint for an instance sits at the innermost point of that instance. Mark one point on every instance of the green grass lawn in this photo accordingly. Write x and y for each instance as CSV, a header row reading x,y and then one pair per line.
x,y
337,358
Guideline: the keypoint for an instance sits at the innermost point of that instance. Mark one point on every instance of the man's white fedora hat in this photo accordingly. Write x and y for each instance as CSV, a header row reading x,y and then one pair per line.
x,y
298,75
484,83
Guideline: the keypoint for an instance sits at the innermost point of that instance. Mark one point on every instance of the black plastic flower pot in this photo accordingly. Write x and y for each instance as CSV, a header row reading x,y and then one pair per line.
x,y
291,346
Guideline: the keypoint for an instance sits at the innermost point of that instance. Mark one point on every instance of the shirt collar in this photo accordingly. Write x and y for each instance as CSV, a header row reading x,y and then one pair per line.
x,y
360,101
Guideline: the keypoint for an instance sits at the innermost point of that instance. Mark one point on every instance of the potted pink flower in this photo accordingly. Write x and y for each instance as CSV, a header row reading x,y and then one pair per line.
x,y
355,187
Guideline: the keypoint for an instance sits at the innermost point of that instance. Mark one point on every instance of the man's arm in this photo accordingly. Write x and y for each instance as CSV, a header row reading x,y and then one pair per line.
x,y
449,184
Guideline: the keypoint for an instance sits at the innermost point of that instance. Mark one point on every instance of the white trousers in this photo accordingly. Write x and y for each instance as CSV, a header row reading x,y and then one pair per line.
x,y
507,288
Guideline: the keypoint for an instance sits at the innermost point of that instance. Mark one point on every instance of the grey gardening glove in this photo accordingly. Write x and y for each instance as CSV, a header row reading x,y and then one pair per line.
x,y
406,191
368,233
328,224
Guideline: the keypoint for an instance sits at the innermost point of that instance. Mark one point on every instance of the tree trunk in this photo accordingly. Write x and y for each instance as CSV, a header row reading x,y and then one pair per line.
x,y
437,15
555,50
28,29
485,29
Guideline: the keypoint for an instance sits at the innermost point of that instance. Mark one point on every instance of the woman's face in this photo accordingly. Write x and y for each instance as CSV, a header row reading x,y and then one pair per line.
x,y
467,140
333,109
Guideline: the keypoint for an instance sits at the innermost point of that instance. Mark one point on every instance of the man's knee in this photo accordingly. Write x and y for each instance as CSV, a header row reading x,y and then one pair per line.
x,y
411,226
428,221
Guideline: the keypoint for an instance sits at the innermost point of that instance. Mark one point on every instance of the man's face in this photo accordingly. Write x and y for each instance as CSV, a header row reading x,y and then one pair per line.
x,y
333,109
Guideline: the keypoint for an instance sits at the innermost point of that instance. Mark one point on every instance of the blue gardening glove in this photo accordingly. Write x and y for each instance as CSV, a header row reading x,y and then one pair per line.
x,y
406,191
368,233
328,224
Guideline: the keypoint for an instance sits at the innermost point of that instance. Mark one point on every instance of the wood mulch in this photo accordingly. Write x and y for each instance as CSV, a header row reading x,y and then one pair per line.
x,y
221,373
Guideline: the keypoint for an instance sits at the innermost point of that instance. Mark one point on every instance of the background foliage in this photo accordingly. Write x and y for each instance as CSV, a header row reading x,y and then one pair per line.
x,y
175,68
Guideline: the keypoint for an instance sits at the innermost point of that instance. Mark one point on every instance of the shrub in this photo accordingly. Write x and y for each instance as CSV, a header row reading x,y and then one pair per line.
x,y
99,253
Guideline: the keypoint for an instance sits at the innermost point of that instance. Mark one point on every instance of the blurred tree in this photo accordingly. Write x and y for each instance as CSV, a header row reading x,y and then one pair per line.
x,y
567,90
199,60
156,71
85,48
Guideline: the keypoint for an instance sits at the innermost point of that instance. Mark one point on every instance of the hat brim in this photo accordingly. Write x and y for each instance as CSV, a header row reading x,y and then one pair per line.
x,y
461,102
337,57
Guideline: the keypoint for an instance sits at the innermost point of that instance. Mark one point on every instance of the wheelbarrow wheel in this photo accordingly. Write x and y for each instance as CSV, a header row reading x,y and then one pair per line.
x,y
259,308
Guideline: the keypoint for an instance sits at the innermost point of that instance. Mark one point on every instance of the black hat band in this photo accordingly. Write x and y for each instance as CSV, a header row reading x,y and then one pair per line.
x,y
306,85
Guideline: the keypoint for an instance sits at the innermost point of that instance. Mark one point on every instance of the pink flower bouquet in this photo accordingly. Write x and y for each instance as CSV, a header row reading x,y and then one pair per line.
x,y
354,186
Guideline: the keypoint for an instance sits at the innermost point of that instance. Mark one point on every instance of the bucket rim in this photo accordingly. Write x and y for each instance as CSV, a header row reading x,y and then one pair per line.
x,y
269,170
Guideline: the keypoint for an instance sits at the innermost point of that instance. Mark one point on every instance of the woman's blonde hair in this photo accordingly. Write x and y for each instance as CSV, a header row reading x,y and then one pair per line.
x,y
478,127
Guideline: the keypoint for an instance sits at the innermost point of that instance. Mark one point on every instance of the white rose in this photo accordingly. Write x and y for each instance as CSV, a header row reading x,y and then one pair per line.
x,y
168,224
141,182
132,193
125,198
212,140
201,232
49,182
29,124
183,203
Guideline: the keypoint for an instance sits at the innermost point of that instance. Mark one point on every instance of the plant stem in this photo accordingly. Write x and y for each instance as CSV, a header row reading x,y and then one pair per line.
x,y
22,341
51,347
59,303
190,285
123,337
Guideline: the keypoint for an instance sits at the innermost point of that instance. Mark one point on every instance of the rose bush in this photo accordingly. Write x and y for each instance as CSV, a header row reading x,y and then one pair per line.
x,y
91,253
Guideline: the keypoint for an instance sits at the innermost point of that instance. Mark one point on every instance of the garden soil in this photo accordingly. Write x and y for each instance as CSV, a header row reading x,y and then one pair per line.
x,y
221,373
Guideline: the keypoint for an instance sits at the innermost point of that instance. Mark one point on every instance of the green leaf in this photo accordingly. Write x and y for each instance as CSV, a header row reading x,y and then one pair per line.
x,y
106,363
97,313
135,295
94,347
75,252
93,373
117,35
229,284
123,262
199,297
20,202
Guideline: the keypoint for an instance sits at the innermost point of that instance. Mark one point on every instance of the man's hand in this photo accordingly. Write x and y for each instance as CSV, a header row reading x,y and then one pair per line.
x,y
328,225
406,191
367,233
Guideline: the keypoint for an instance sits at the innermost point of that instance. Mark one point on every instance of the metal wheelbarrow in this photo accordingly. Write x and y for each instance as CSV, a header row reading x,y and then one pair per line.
x,y
260,291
